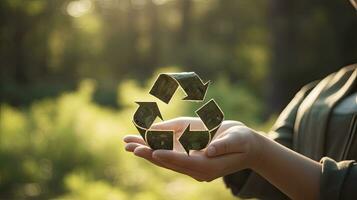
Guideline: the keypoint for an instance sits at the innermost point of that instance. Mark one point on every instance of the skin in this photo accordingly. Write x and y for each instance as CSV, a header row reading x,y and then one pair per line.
x,y
354,3
235,147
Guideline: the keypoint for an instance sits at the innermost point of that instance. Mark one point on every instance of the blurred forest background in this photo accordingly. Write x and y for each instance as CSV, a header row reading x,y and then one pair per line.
x,y
70,71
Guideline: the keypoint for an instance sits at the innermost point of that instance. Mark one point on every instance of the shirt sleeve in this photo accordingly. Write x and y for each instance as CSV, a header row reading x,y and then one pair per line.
x,y
338,179
247,184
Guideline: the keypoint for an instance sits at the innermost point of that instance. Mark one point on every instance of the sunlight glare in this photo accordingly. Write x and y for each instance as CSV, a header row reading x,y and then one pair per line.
x,y
79,7
159,2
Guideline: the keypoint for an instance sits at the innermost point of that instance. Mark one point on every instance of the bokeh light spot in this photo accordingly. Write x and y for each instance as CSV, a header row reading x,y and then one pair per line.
x,y
79,8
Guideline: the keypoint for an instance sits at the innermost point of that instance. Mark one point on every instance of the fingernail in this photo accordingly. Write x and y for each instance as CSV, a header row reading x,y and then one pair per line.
x,y
211,151
156,155
137,153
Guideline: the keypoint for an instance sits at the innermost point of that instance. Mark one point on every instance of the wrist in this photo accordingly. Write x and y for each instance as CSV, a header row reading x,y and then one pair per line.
x,y
258,151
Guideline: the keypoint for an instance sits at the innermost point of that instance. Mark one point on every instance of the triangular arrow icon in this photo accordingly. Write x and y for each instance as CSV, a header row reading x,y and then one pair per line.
x,y
194,140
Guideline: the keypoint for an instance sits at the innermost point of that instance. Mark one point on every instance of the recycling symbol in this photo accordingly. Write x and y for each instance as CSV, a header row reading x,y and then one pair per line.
x,y
164,88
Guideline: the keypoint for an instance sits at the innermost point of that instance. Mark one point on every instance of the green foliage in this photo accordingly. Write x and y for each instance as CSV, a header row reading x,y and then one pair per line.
x,y
71,148
62,42
238,102
252,42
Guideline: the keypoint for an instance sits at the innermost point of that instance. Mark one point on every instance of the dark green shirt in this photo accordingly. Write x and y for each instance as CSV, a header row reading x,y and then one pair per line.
x,y
320,123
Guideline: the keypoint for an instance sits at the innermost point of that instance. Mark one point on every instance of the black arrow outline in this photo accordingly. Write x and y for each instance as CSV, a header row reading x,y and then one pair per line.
x,y
151,110
173,80
219,113
211,131
153,143
166,85
138,120
190,134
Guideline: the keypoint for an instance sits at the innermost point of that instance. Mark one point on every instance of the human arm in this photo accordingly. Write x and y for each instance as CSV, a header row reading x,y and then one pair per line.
x,y
294,174
282,167
243,183
298,176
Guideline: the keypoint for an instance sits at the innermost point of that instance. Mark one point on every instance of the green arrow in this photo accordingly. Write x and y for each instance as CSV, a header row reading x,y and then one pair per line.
x,y
166,85
194,140
145,116
160,139
164,88
192,84
211,115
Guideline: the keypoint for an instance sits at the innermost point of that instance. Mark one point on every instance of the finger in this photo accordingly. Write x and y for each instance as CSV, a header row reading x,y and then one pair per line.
x,y
143,151
182,170
232,142
134,139
194,122
225,126
217,147
229,124
179,159
130,147
172,124
178,162
200,166
146,153
233,122
179,124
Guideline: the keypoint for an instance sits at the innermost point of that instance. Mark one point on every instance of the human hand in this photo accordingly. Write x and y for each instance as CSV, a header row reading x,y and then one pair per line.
x,y
229,151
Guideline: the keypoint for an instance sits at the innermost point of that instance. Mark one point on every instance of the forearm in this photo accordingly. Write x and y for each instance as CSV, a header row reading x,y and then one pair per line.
x,y
294,174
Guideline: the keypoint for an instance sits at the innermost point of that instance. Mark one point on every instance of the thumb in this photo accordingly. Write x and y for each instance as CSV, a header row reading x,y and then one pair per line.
x,y
229,143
